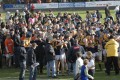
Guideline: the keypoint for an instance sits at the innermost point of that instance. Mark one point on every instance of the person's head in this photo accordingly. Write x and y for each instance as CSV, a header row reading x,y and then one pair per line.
x,y
8,36
61,36
22,43
48,40
107,5
89,54
111,37
86,61
79,54
49,30
34,45
12,32
87,11
75,42
97,10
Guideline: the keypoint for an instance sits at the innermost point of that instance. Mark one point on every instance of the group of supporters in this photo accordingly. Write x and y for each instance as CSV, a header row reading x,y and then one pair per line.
x,y
64,43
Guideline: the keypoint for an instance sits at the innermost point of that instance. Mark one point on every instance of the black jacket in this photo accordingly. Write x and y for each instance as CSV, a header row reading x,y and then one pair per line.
x,y
50,53
72,52
40,51
31,56
17,41
23,54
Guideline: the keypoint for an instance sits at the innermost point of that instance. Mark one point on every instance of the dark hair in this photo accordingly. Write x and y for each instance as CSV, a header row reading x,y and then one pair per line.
x,y
22,43
111,37
79,54
75,42
47,40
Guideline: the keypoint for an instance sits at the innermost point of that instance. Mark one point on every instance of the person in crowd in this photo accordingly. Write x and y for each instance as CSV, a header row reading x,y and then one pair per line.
x,y
112,55
31,59
0,56
107,11
17,44
9,46
72,54
40,53
99,15
60,57
84,71
79,64
91,64
22,61
88,17
116,10
50,56
99,55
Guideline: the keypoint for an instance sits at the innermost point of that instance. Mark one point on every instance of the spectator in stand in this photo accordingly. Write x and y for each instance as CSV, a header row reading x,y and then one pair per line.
x,y
18,1
39,1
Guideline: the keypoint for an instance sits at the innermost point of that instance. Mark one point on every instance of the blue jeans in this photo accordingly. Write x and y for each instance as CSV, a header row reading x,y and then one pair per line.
x,y
74,69
22,71
33,73
51,65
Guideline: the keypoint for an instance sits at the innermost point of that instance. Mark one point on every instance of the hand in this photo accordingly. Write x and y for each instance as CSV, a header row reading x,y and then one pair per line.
x,y
92,78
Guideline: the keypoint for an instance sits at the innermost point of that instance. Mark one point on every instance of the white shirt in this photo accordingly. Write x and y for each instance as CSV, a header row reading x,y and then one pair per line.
x,y
91,63
79,63
116,8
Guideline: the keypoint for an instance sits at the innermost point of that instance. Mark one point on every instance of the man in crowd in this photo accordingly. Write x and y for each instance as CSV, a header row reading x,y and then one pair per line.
x,y
112,55
107,11
50,56
32,61
72,54
22,61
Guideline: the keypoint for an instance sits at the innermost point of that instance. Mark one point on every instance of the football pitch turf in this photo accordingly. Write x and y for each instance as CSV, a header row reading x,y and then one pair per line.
x,y
12,74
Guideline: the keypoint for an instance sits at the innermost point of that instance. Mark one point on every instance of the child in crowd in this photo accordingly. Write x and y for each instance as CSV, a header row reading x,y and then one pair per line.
x,y
91,64
79,63
84,71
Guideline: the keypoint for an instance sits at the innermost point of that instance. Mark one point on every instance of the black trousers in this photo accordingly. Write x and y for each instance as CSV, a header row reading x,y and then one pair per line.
x,y
112,60
41,66
16,57
0,60
91,72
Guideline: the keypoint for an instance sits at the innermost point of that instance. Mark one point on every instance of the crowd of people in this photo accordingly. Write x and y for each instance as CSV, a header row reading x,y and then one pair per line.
x,y
64,43
46,1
